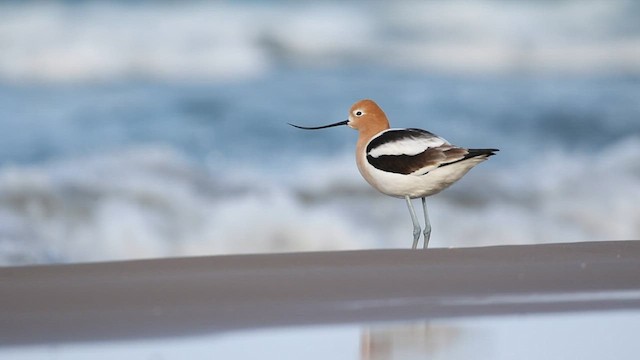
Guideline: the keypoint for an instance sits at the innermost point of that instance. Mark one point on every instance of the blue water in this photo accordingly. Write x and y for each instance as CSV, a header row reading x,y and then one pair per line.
x,y
167,136
518,114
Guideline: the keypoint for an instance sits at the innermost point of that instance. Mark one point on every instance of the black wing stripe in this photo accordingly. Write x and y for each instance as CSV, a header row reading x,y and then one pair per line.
x,y
395,135
407,164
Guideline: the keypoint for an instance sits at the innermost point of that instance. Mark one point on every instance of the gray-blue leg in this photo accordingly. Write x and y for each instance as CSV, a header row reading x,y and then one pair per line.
x,y
416,224
427,223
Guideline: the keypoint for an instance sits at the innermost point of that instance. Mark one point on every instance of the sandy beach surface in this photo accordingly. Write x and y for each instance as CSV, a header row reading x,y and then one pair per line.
x,y
203,295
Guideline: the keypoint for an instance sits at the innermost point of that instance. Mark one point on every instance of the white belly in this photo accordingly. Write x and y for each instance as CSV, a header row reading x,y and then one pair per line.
x,y
416,186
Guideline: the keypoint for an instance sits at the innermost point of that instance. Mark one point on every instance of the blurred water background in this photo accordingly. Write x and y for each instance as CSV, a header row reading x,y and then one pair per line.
x,y
149,129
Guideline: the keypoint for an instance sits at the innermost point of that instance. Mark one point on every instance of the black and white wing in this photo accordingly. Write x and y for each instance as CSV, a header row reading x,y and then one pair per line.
x,y
415,152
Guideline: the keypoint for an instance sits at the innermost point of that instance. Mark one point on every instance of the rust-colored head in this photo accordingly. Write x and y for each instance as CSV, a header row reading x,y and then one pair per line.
x,y
367,116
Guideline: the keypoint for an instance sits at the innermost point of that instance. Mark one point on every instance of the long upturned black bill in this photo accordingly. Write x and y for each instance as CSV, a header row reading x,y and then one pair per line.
x,y
320,127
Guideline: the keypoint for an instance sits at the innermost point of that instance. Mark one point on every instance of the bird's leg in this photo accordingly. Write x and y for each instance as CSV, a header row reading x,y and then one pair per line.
x,y
427,223
416,224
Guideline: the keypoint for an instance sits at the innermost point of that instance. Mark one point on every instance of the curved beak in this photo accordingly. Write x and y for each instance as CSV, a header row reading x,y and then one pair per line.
x,y
321,127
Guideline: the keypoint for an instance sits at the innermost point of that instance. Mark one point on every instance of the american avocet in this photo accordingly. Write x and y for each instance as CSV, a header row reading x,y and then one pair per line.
x,y
406,163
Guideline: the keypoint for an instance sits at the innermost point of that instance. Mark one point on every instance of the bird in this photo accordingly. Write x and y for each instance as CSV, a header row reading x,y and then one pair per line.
x,y
406,163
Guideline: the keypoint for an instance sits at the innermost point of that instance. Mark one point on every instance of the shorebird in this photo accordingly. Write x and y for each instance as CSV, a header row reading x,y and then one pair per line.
x,y
405,163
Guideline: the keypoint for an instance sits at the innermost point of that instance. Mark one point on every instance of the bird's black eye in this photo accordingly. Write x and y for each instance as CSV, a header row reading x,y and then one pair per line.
x,y
358,113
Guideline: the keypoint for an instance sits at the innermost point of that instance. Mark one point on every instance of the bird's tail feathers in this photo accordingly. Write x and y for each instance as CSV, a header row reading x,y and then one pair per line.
x,y
481,152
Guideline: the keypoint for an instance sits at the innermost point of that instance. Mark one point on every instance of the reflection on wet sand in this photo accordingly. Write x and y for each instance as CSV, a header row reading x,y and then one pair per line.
x,y
415,341
576,335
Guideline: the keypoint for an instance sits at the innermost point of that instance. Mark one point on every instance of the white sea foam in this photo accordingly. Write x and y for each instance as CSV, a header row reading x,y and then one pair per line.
x,y
153,202
554,197
89,41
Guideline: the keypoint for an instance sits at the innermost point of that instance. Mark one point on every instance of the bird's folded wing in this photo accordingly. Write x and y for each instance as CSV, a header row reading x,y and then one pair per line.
x,y
403,142
411,151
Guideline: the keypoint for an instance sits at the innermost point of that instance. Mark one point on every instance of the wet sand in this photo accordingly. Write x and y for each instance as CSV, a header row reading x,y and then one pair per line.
x,y
201,295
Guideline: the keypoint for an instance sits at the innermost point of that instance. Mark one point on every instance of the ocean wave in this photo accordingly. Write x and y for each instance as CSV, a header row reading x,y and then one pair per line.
x,y
196,40
155,202
150,202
